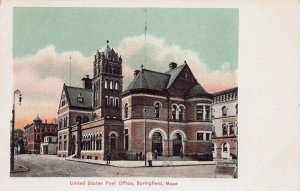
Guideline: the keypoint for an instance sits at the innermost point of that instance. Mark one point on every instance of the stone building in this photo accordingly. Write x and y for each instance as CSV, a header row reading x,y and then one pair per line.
x,y
49,145
225,121
35,132
172,108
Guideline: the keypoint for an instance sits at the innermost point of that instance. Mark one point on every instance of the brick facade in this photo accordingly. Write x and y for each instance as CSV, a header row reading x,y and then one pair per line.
x,y
34,134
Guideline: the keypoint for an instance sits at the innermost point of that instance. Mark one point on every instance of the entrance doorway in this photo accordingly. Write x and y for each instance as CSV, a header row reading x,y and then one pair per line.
x,y
157,143
177,144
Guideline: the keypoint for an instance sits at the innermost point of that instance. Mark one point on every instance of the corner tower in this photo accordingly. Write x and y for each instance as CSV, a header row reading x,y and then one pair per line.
x,y
107,84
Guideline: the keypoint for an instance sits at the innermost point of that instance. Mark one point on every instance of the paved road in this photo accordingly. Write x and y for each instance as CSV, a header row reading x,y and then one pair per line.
x,y
53,166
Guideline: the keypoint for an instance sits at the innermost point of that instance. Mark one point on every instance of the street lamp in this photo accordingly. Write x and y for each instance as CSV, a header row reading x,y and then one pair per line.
x,y
12,141
145,116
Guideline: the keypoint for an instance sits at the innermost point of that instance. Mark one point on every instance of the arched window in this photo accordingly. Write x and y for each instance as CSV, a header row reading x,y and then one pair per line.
x,y
225,147
126,110
224,130
157,108
224,111
181,112
106,84
116,85
236,109
111,85
174,111
113,138
231,129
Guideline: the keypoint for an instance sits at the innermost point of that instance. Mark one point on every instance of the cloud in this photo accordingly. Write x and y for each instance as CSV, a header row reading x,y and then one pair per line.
x,y
40,77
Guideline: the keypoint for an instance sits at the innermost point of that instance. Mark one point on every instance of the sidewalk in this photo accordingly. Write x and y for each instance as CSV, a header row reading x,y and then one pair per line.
x,y
19,168
138,164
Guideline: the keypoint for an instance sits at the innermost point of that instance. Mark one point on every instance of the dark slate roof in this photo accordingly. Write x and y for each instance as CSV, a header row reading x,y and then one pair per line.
x,y
226,91
147,79
174,73
198,90
74,92
37,118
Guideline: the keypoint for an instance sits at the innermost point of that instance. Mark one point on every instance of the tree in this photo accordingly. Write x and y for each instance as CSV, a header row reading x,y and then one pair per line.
x,y
19,140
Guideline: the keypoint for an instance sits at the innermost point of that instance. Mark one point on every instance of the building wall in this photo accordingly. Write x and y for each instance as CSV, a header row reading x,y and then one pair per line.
x,y
225,126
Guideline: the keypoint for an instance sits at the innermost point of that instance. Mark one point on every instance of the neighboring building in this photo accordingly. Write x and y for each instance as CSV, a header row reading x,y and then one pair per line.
x,y
225,121
100,117
49,146
34,134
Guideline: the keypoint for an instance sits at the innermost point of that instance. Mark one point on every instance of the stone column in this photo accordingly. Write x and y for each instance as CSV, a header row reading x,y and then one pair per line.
x,y
78,140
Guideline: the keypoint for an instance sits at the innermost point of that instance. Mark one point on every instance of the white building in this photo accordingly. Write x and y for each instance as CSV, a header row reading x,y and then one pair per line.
x,y
49,146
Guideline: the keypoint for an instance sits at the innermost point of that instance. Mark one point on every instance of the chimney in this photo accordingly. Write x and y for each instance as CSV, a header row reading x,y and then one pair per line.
x,y
136,72
87,82
172,65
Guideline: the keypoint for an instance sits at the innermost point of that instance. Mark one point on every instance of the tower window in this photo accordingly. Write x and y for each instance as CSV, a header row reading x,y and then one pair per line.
x,y
116,85
181,113
106,84
199,112
106,101
157,108
111,85
117,102
126,110
111,101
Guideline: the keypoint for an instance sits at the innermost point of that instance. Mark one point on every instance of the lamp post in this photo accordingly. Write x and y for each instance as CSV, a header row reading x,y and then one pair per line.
x,y
145,116
12,141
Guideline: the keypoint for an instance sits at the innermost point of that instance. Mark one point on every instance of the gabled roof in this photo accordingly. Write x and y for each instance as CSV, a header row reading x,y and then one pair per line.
x,y
174,73
198,90
147,79
74,92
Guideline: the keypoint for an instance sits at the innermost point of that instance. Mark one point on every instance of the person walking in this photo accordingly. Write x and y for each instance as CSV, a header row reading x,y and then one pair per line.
x,y
137,155
108,156
141,155
149,158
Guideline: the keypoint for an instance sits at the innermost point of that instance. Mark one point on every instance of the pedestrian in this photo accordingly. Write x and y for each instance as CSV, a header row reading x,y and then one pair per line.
x,y
149,158
181,152
155,154
108,156
137,155
141,155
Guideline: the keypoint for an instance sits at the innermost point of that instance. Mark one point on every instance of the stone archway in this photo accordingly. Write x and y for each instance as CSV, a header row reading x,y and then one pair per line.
x,y
177,144
157,143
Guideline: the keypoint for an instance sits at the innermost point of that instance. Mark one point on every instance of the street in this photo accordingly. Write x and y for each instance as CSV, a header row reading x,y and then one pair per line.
x,y
53,166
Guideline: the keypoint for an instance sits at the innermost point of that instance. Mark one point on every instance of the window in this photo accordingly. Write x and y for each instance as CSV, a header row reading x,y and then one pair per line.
x,y
207,136
111,101
111,85
224,111
224,128
236,109
207,112
213,147
126,139
106,101
106,84
225,147
199,136
112,142
80,98
199,112
60,123
231,129
126,110
63,102
117,102
174,112
116,85
181,113
157,108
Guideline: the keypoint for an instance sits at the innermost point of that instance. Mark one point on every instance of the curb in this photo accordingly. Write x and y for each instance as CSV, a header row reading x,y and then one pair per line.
x,y
22,169
90,162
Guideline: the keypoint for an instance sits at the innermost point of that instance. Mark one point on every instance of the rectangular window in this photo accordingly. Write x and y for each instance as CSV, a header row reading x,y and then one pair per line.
x,y
117,102
199,112
111,101
65,145
207,112
106,101
207,136
199,136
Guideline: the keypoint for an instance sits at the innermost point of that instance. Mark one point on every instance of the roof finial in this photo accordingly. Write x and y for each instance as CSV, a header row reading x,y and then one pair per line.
x,y
142,66
107,42
185,62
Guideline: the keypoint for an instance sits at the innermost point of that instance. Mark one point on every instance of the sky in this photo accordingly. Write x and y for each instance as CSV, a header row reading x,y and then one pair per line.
x,y
44,39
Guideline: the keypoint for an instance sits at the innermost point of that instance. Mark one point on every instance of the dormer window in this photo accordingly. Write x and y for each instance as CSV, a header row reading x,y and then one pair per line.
x,y
80,98
63,102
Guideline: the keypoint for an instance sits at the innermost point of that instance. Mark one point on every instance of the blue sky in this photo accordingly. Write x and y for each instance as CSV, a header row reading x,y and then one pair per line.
x,y
211,33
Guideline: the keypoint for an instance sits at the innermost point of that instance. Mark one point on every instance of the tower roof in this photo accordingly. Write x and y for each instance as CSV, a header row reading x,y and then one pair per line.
x,y
37,118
